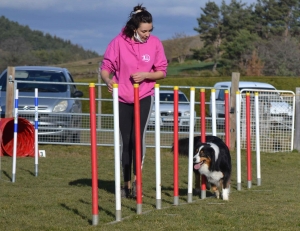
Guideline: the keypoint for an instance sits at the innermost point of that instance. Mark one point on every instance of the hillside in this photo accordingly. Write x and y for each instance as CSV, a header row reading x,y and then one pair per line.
x,y
19,45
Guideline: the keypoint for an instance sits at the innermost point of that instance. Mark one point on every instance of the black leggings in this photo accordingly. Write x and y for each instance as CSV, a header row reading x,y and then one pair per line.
x,y
126,120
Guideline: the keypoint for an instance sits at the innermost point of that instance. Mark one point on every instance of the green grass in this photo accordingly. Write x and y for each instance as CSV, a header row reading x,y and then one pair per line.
x,y
60,197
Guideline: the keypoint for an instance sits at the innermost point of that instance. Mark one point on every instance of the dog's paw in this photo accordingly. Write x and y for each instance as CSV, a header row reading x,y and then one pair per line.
x,y
217,194
225,194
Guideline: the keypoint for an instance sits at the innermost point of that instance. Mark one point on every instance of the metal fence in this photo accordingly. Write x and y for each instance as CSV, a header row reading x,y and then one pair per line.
x,y
276,119
274,136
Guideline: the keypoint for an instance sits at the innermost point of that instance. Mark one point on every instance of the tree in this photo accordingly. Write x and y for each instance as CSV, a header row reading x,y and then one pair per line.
x,y
280,56
210,30
181,46
277,18
15,51
254,65
220,29
178,47
236,16
238,52
238,42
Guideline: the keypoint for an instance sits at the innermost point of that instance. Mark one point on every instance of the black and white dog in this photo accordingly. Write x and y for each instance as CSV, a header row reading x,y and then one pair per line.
x,y
211,159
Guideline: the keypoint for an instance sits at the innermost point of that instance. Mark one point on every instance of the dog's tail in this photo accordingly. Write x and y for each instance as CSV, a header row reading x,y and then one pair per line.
x,y
183,145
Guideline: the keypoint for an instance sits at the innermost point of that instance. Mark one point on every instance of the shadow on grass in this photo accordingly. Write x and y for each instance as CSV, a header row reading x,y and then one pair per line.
x,y
107,185
30,172
7,175
75,211
84,217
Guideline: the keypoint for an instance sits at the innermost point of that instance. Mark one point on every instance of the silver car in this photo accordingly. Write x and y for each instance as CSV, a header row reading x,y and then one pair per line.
x,y
58,101
167,110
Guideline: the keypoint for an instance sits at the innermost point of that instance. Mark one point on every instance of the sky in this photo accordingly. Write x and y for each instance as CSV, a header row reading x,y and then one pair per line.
x,y
92,24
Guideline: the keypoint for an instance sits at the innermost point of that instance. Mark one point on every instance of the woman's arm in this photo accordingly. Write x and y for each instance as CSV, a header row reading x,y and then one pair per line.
x,y
140,76
106,78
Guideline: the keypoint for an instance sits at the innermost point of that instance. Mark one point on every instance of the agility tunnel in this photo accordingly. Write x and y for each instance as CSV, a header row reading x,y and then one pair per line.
x,y
25,137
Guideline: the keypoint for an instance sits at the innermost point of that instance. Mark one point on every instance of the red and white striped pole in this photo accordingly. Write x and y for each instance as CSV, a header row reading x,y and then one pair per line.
x,y
248,140
203,137
93,125
138,158
227,132
175,161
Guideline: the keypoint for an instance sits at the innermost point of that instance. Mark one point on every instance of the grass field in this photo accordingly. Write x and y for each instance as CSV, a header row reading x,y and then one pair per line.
x,y
60,197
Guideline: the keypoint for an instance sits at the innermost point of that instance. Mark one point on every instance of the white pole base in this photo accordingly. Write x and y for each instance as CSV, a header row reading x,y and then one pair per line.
x,y
239,186
139,208
36,170
158,203
190,198
203,194
258,181
118,215
249,184
95,220
176,200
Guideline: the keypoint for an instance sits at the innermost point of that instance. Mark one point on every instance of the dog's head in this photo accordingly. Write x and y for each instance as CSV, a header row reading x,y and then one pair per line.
x,y
204,155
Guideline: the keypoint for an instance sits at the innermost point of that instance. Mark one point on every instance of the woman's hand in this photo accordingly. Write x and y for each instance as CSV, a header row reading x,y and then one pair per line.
x,y
139,76
109,84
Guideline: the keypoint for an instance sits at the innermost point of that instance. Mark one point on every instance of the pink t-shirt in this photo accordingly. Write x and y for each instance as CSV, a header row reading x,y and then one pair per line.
x,y
125,56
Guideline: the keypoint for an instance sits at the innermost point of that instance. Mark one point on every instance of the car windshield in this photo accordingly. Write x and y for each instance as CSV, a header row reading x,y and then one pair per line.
x,y
38,79
169,97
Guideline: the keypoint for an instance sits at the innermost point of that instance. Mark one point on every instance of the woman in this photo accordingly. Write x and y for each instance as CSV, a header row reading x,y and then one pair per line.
x,y
134,57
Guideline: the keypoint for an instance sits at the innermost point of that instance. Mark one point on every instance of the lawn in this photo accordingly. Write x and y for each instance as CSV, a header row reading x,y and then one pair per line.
x,y
59,198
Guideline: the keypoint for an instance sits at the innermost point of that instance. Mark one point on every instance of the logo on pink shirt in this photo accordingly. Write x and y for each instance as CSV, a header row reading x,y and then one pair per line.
x,y
146,58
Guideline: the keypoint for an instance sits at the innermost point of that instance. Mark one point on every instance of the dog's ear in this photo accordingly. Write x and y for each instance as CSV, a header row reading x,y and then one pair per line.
x,y
212,157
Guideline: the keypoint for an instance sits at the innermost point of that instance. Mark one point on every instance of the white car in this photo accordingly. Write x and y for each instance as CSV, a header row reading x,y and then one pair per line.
x,y
167,110
273,104
59,103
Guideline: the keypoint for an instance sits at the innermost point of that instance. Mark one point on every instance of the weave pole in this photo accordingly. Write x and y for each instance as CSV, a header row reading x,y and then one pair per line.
x,y
138,161
117,152
191,145
213,112
93,126
203,137
227,128
36,125
257,133
238,141
176,158
14,163
157,147
248,140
